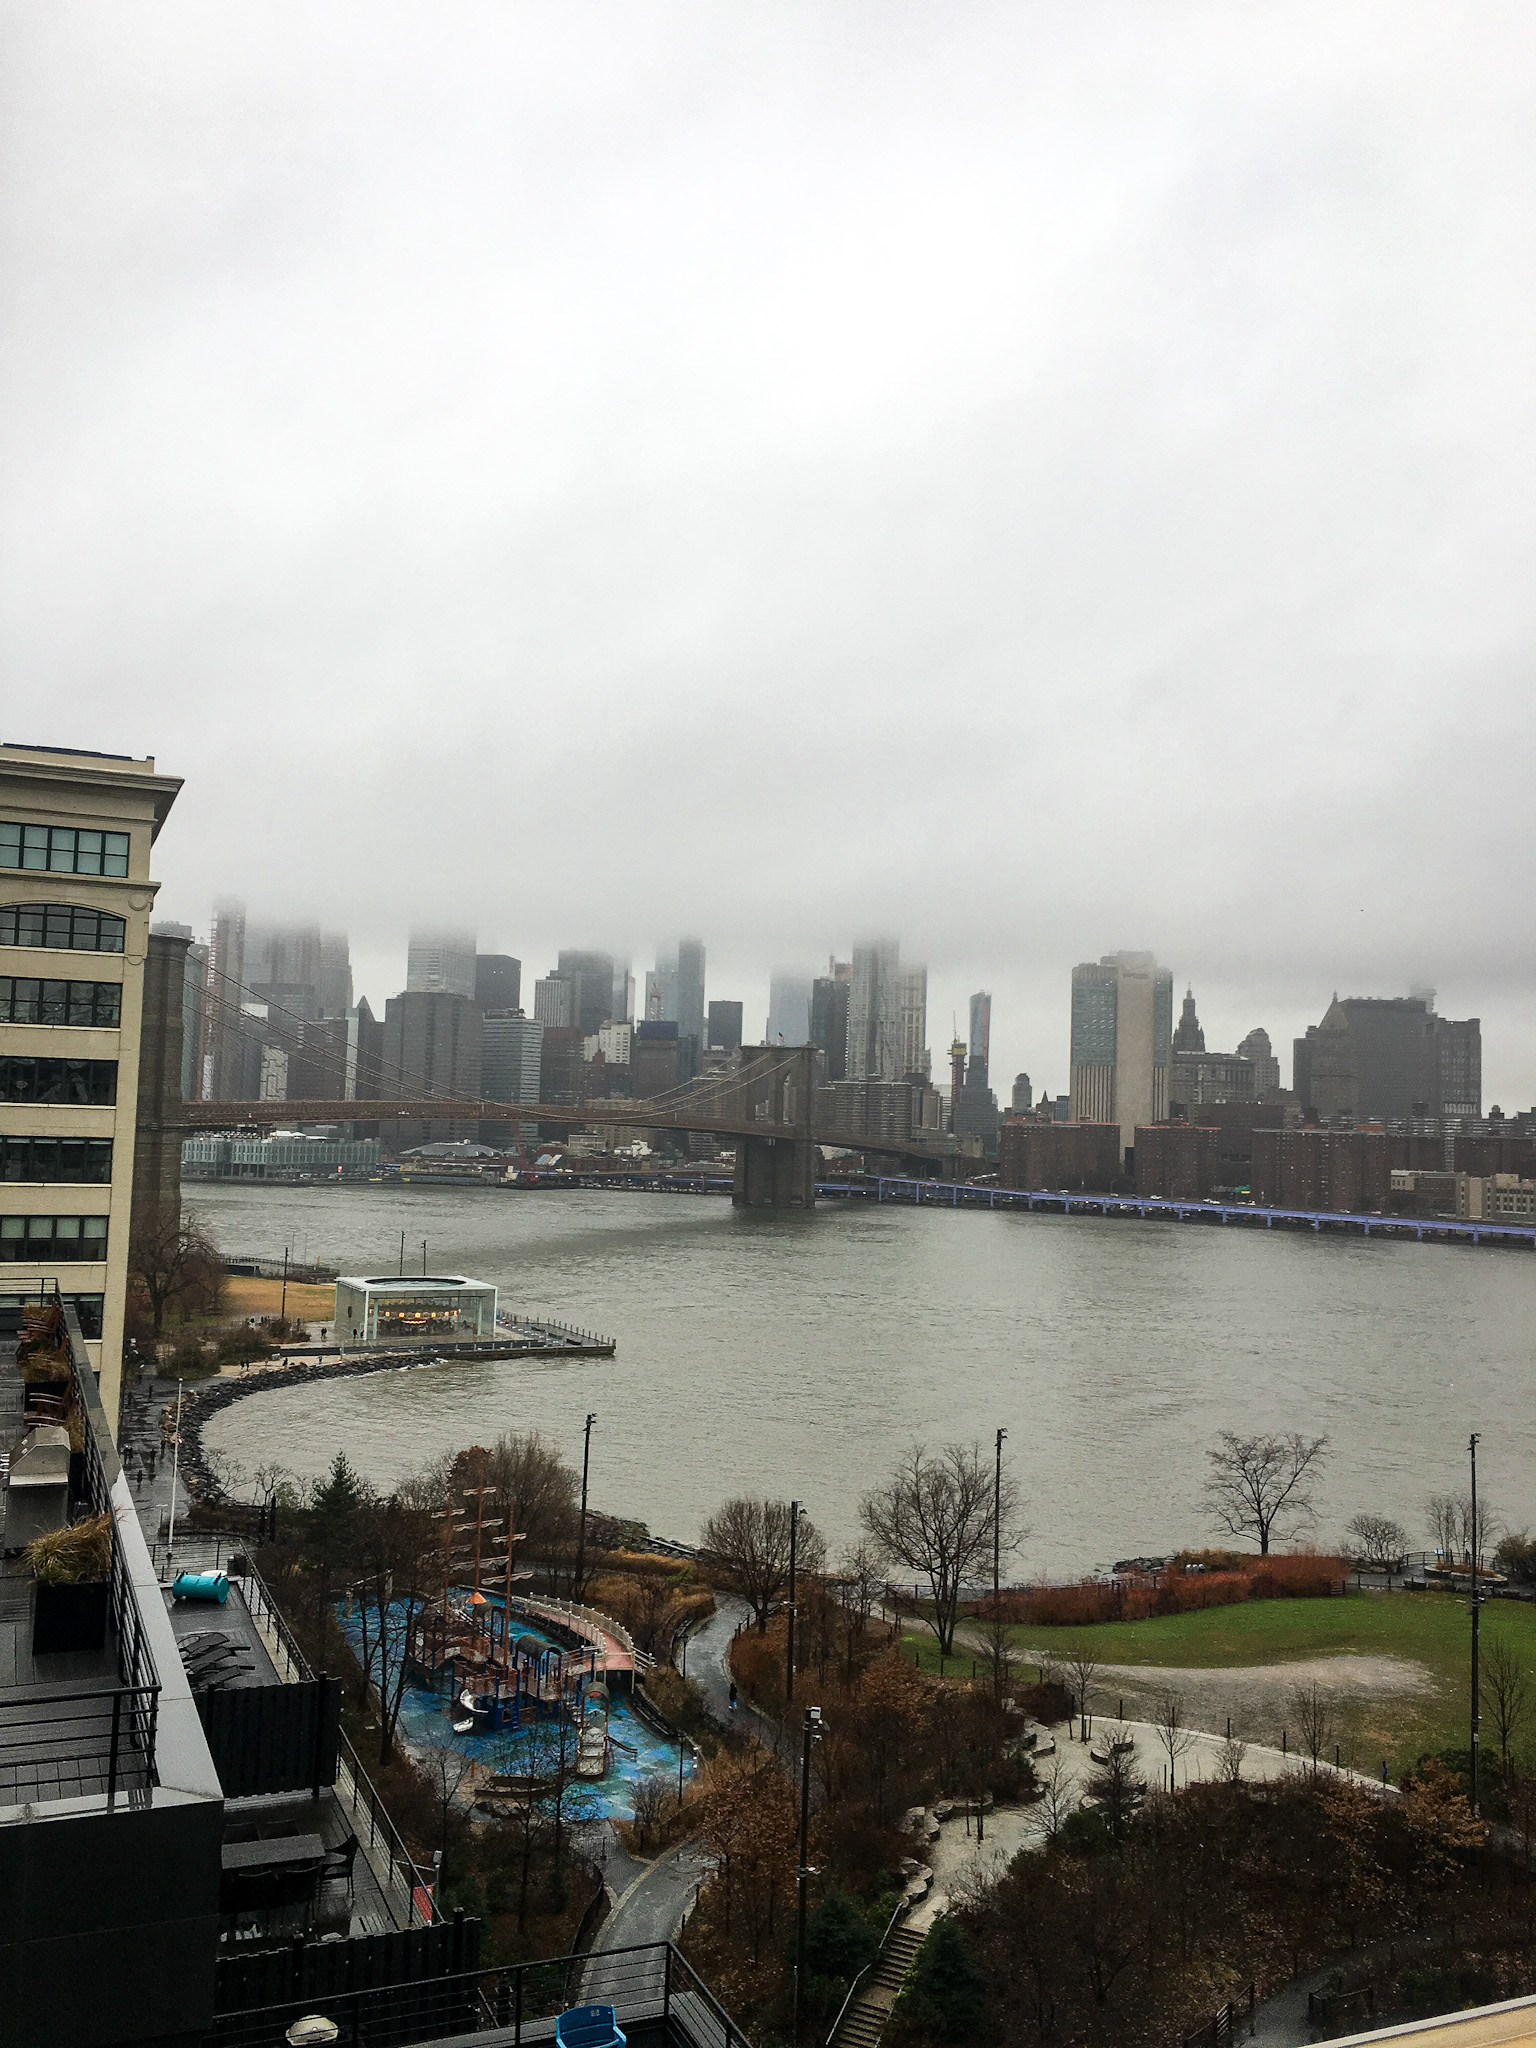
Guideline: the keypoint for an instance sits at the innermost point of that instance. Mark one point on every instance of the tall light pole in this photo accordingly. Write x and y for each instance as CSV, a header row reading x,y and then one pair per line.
x,y
789,1648
997,1519
1472,1546
802,1868
282,1312
581,1538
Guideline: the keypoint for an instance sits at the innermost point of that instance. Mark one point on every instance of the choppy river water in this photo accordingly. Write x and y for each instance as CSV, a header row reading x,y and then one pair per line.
x,y
801,1354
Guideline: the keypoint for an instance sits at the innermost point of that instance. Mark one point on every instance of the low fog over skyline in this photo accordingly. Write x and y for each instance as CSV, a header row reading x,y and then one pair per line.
x,y
1036,481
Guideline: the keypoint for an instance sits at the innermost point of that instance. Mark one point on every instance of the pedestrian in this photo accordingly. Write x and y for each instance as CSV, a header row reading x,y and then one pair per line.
x,y
733,1695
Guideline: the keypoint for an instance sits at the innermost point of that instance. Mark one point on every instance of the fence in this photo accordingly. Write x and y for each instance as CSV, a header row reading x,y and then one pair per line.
x,y
351,1979
273,1738
1222,2027
652,1984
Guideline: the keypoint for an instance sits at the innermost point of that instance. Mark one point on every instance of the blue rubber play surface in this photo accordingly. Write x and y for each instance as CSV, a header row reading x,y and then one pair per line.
x,y
637,1751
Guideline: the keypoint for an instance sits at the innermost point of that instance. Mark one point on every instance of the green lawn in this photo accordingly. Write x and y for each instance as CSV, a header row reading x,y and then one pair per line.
x,y
1429,1629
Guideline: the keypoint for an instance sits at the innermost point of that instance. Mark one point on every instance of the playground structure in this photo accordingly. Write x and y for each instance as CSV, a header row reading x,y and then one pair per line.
x,y
494,1673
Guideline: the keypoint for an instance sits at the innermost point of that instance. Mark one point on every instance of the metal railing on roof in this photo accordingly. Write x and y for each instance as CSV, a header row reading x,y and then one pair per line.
x,y
98,1737
653,1981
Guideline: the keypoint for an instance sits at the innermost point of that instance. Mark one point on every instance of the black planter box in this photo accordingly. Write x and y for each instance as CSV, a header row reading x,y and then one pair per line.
x,y
69,1618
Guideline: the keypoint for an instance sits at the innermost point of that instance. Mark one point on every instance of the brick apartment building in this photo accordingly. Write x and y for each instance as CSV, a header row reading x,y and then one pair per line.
x,y
1177,1162
1074,1156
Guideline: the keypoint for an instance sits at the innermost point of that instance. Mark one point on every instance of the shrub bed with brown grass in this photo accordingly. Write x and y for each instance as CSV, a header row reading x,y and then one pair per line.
x,y
1191,1582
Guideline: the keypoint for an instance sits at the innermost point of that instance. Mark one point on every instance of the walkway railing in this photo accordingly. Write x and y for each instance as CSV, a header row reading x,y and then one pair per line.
x,y
590,1623
64,1745
853,1988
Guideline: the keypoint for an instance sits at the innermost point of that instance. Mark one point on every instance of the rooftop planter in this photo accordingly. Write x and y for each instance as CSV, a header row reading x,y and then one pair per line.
x,y
70,1567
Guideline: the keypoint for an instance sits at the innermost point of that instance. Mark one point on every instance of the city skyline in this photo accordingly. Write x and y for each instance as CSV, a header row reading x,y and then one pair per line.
x,y
1037,1057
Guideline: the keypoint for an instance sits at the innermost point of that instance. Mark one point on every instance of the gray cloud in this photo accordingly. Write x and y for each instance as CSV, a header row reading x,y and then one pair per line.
x,y
1036,479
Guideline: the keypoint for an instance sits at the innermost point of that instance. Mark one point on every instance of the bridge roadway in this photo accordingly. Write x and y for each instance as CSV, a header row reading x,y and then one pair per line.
x,y
1157,1208
766,1104
967,1194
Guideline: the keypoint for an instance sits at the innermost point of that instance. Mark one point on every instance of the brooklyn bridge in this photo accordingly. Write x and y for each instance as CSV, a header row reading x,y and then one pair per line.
x,y
768,1103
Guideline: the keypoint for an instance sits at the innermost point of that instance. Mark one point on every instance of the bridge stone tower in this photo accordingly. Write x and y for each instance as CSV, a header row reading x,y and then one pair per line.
x,y
777,1170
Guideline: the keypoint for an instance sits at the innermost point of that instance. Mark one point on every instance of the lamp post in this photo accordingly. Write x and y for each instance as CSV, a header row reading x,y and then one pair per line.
x,y
581,1538
170,1534
802,1868
789,1640
997,1519
1472,1547
282,1311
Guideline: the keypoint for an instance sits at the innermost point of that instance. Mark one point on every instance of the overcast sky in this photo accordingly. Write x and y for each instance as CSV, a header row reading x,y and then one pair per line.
x,y
1035,479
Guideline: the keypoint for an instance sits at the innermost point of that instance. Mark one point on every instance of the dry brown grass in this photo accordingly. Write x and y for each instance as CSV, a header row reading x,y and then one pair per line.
x,y
74,1555
251,1297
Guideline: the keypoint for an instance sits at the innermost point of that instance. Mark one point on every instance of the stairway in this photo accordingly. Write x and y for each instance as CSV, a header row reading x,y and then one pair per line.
x,y
864,2021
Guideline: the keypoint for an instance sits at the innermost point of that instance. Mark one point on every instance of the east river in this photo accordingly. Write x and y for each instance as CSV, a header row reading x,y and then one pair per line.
x,y
801,1354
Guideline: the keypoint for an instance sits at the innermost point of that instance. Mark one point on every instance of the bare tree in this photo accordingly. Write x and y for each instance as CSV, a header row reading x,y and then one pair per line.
x,y
1229,1761
1378,1543
1443,1513
399,1565
858,1586
1450,1524
649,1797
175,1260
746,1542
1506,1687
1058,1798
1312,1712
1082,1667
934,1515
1260,1487
536,1492
1174,1738
447,1767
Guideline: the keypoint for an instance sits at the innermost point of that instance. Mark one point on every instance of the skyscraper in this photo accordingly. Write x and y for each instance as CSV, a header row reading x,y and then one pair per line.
x,y
912,1049
973,1106
194,993
623,1011
498,987
302,973
688,996
441,962
591,979
829,1016
432,1047
1188,1037
511,1050
223,1032
789,1010
1266,1068
1122,1025
981,1040
723,1027
875,1006
1389,1057
554,1002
